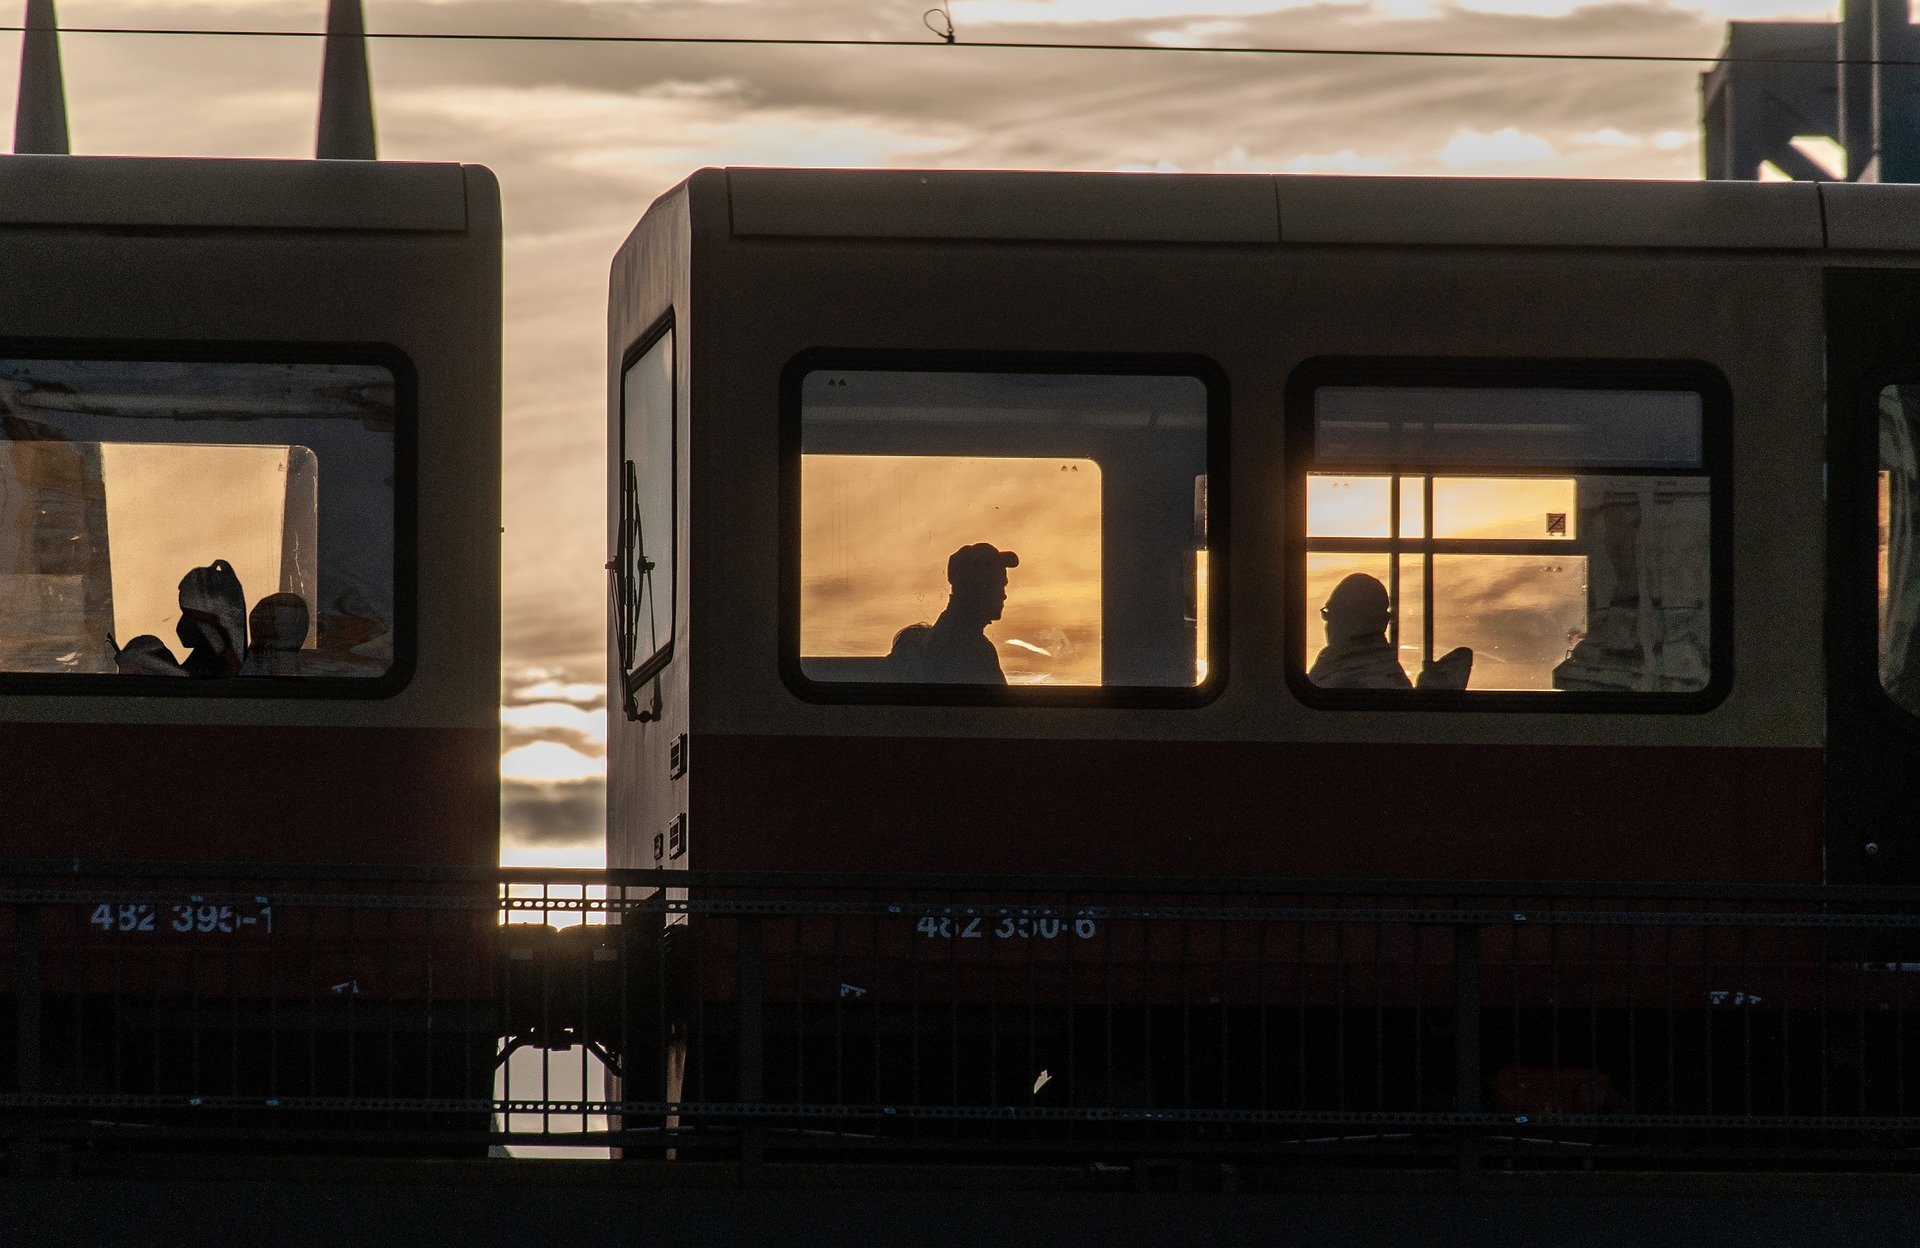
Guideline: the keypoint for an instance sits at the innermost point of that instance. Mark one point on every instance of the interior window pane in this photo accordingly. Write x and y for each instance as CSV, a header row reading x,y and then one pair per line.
x,y
1521,615
1429,428
648,549
1899,553
989,528
1510,508
862,582
224,520
1350,506
1413,506
243,515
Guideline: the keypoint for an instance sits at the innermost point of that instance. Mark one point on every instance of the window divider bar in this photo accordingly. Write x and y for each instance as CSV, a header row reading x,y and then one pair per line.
x,y
1441,546
1426,571
1393,560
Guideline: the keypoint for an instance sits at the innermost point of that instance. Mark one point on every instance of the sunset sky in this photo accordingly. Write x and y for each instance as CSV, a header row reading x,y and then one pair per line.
x,y
583,137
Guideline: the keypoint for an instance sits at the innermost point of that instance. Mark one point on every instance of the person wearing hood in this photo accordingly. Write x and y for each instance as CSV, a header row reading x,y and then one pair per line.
x,y
213,621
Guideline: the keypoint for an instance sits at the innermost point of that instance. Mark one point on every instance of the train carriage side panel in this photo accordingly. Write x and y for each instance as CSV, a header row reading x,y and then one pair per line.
x,y
1257,781
175,334
652,360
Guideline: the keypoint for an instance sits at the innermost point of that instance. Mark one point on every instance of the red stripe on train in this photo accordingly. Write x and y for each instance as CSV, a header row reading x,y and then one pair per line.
x,y
1263,809
214,793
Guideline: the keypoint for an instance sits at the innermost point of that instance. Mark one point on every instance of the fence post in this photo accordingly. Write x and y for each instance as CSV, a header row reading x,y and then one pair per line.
x,y
27,997
753,987
1466,1049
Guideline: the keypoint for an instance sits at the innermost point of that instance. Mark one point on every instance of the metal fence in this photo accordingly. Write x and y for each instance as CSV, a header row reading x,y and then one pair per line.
x,y
683,1015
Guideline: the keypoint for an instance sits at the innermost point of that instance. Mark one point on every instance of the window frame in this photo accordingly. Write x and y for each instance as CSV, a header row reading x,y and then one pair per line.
x,y
912,693
1862,635
1716,465
636,676
406,539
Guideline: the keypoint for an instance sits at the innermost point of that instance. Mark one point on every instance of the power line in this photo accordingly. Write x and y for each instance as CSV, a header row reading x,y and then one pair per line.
x,y
759,41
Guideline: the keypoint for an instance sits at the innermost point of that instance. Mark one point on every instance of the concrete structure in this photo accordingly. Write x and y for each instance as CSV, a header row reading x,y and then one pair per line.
x,y
1850,81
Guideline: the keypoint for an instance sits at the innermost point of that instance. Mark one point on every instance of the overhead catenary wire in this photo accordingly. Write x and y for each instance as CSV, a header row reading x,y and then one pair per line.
x,y
1009,45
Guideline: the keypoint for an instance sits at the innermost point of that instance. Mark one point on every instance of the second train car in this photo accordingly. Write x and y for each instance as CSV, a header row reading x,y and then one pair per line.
x,y
1251,526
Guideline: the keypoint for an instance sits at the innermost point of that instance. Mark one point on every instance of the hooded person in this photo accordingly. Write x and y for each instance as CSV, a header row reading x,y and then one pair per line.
x,y
146,655
956,650
1357,654
213,621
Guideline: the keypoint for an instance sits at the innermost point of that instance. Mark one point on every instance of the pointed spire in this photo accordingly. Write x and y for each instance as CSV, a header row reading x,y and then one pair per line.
x,y
40,117
346,94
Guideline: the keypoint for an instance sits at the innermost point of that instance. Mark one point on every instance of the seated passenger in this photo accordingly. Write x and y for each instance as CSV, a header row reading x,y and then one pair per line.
x,y
146,655
907,658
1449,671
213,621
278,626
1357,654
954,649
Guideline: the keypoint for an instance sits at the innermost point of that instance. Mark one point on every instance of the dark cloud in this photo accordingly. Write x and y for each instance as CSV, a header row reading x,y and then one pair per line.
x,y
571,814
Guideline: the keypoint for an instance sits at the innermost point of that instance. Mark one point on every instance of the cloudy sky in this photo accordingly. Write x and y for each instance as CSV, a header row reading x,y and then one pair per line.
x,y
583,137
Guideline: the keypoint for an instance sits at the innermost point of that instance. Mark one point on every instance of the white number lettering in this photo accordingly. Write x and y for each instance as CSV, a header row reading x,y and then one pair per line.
x,y
1085,928
972,931
102,917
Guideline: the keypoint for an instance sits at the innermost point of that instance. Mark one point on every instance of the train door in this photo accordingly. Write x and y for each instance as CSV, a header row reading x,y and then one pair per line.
x,y
1873,571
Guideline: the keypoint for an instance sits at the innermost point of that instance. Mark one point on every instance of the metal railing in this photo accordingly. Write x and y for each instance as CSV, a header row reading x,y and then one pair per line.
x,y
688,1015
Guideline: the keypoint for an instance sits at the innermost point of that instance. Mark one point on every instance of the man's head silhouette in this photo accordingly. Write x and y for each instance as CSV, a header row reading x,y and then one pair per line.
x,y
978,575
1357,608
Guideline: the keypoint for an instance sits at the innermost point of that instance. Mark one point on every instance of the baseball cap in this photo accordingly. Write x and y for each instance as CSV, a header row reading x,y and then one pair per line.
x,y
979,560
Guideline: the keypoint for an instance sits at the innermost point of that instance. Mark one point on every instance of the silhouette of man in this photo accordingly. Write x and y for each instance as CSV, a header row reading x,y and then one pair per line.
x,y
1357,654
956,650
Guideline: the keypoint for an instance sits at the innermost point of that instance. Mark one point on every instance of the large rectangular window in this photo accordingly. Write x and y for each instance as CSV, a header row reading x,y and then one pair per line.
x,y
1505,535
965,531
198,519
644,570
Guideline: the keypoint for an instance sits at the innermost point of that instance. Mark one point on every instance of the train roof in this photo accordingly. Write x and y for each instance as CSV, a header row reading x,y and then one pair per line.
x,y
187,193
1014,206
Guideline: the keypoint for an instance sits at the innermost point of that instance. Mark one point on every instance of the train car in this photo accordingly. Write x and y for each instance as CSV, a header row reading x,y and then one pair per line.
x,y
1254,527
249,628
249,511
1001,533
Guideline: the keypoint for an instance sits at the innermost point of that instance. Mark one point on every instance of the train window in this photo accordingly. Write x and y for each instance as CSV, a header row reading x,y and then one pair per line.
x,y
1899,546
221,519
644,565
985,534
1506,539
